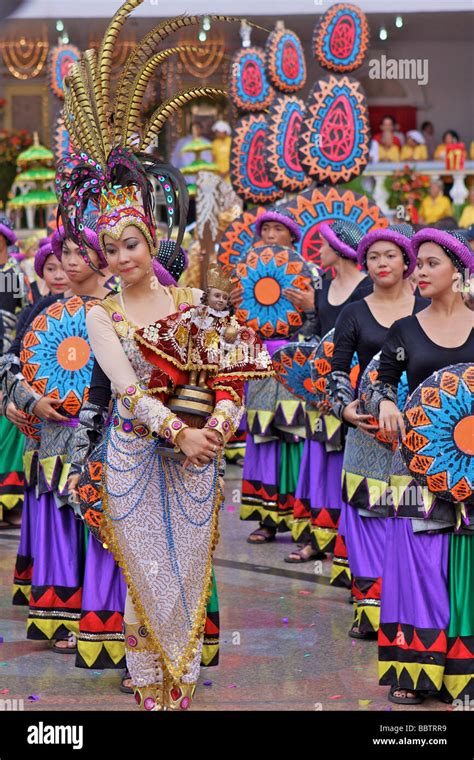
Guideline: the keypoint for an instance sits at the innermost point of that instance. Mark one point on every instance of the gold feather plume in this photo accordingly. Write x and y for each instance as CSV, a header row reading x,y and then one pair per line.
x,y
96,121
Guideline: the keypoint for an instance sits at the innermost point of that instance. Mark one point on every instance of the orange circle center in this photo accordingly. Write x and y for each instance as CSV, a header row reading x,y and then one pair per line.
x,y
464,435
73,353
267,291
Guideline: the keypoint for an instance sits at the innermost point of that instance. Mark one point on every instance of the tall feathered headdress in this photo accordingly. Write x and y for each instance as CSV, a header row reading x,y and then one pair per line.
x,y
110,167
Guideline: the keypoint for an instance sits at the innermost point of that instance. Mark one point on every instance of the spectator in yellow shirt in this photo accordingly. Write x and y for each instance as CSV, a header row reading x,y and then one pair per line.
x,y
467,216
415,148
388,148
221,147
436,205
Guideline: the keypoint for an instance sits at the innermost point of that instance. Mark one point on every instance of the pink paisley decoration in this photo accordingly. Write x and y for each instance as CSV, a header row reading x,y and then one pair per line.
x,y
249,173
316,205
60,60
341,38
334,138
249,88
283,162
286,64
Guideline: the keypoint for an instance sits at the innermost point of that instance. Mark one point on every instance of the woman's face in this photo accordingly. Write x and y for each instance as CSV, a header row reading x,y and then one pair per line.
x,y
436,272
76,269
54,275
385,263
129,257
275,233
449,138
329,256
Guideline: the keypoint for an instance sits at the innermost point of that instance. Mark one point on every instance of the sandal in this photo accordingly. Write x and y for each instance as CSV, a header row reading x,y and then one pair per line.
x,y
416,700
298,555
354,633
263,534
64,650
126,677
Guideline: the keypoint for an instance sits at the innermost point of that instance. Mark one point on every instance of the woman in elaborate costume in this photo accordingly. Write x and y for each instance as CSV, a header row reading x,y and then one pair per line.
x,y
160,507
14,294
318,494
427,616
361,328
275,421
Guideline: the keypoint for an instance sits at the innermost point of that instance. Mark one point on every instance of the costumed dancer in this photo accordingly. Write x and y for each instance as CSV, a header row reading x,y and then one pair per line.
x,y
59,540
426,637
361,328
318,496
275,421
15,295
48,269
159,516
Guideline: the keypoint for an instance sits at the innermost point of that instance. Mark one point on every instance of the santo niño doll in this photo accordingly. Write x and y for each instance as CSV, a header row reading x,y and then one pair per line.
x,y
202,354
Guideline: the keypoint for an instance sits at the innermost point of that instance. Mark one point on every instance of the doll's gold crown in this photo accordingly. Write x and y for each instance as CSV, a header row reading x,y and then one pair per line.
x,y
217,279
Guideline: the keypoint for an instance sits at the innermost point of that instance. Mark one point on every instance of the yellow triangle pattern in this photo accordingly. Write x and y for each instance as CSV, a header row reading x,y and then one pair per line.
x,y
371,612
24,591
298,527
377,489
338,570
10,500
456,684
208,653
324,536
247,510
332,424
49,465
313,417
64,477
49,627
414,670
352,482
90,650
27,463
289,408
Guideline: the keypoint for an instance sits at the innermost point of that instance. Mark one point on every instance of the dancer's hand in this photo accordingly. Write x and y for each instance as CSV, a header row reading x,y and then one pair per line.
x,y
361,421
45,409
323,406
391,420
14,415
72,482
200,446
302,299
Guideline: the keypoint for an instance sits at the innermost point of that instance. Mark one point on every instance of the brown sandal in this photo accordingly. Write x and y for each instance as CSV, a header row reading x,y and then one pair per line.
x,y
261,532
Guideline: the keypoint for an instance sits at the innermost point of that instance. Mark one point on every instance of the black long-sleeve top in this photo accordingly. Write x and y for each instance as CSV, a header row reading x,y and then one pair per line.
x,y
326,314
408,348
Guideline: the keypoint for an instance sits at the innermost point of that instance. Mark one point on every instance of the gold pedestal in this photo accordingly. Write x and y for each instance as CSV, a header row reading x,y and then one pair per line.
x,y
193,404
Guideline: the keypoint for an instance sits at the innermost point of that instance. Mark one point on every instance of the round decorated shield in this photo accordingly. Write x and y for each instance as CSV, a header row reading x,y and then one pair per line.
x,y
321,368
316,205
89,490
334,139
293,364
282,159
286,65
263,275
439,445
239,237
369,376
341,38
249,88
60,60
55,355
31,427
248,171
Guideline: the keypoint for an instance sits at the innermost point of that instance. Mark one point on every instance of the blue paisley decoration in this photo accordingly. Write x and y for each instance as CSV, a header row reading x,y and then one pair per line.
x,y
439,447
262,276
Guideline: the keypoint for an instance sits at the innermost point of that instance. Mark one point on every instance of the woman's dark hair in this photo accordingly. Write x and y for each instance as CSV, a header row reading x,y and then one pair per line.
x,y
447,223
451,132
388,116
426,124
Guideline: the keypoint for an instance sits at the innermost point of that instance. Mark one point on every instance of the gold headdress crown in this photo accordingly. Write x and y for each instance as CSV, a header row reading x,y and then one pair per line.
x,y
217,279
118,197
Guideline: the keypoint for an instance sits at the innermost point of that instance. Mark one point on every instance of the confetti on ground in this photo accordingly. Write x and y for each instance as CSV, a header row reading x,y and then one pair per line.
x,y
353,643
284,620
3,664
388,709
304,593
33,698
1,639
97,672
207,683
232,686
5,691
231,509
337,696
365,702
307,654
282,597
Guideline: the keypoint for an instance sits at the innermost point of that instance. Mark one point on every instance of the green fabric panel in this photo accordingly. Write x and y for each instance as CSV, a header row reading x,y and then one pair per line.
x,y
213,603
290,461
11,450
461,585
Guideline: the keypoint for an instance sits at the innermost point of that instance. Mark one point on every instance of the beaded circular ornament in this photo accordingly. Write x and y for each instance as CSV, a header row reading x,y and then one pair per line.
x,y
334,140
439,445
286,64
341,38
263,274
249,172
281,147
249,88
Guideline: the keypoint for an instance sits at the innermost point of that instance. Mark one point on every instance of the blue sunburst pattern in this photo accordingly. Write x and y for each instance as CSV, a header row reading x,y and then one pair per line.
x,y
293,364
